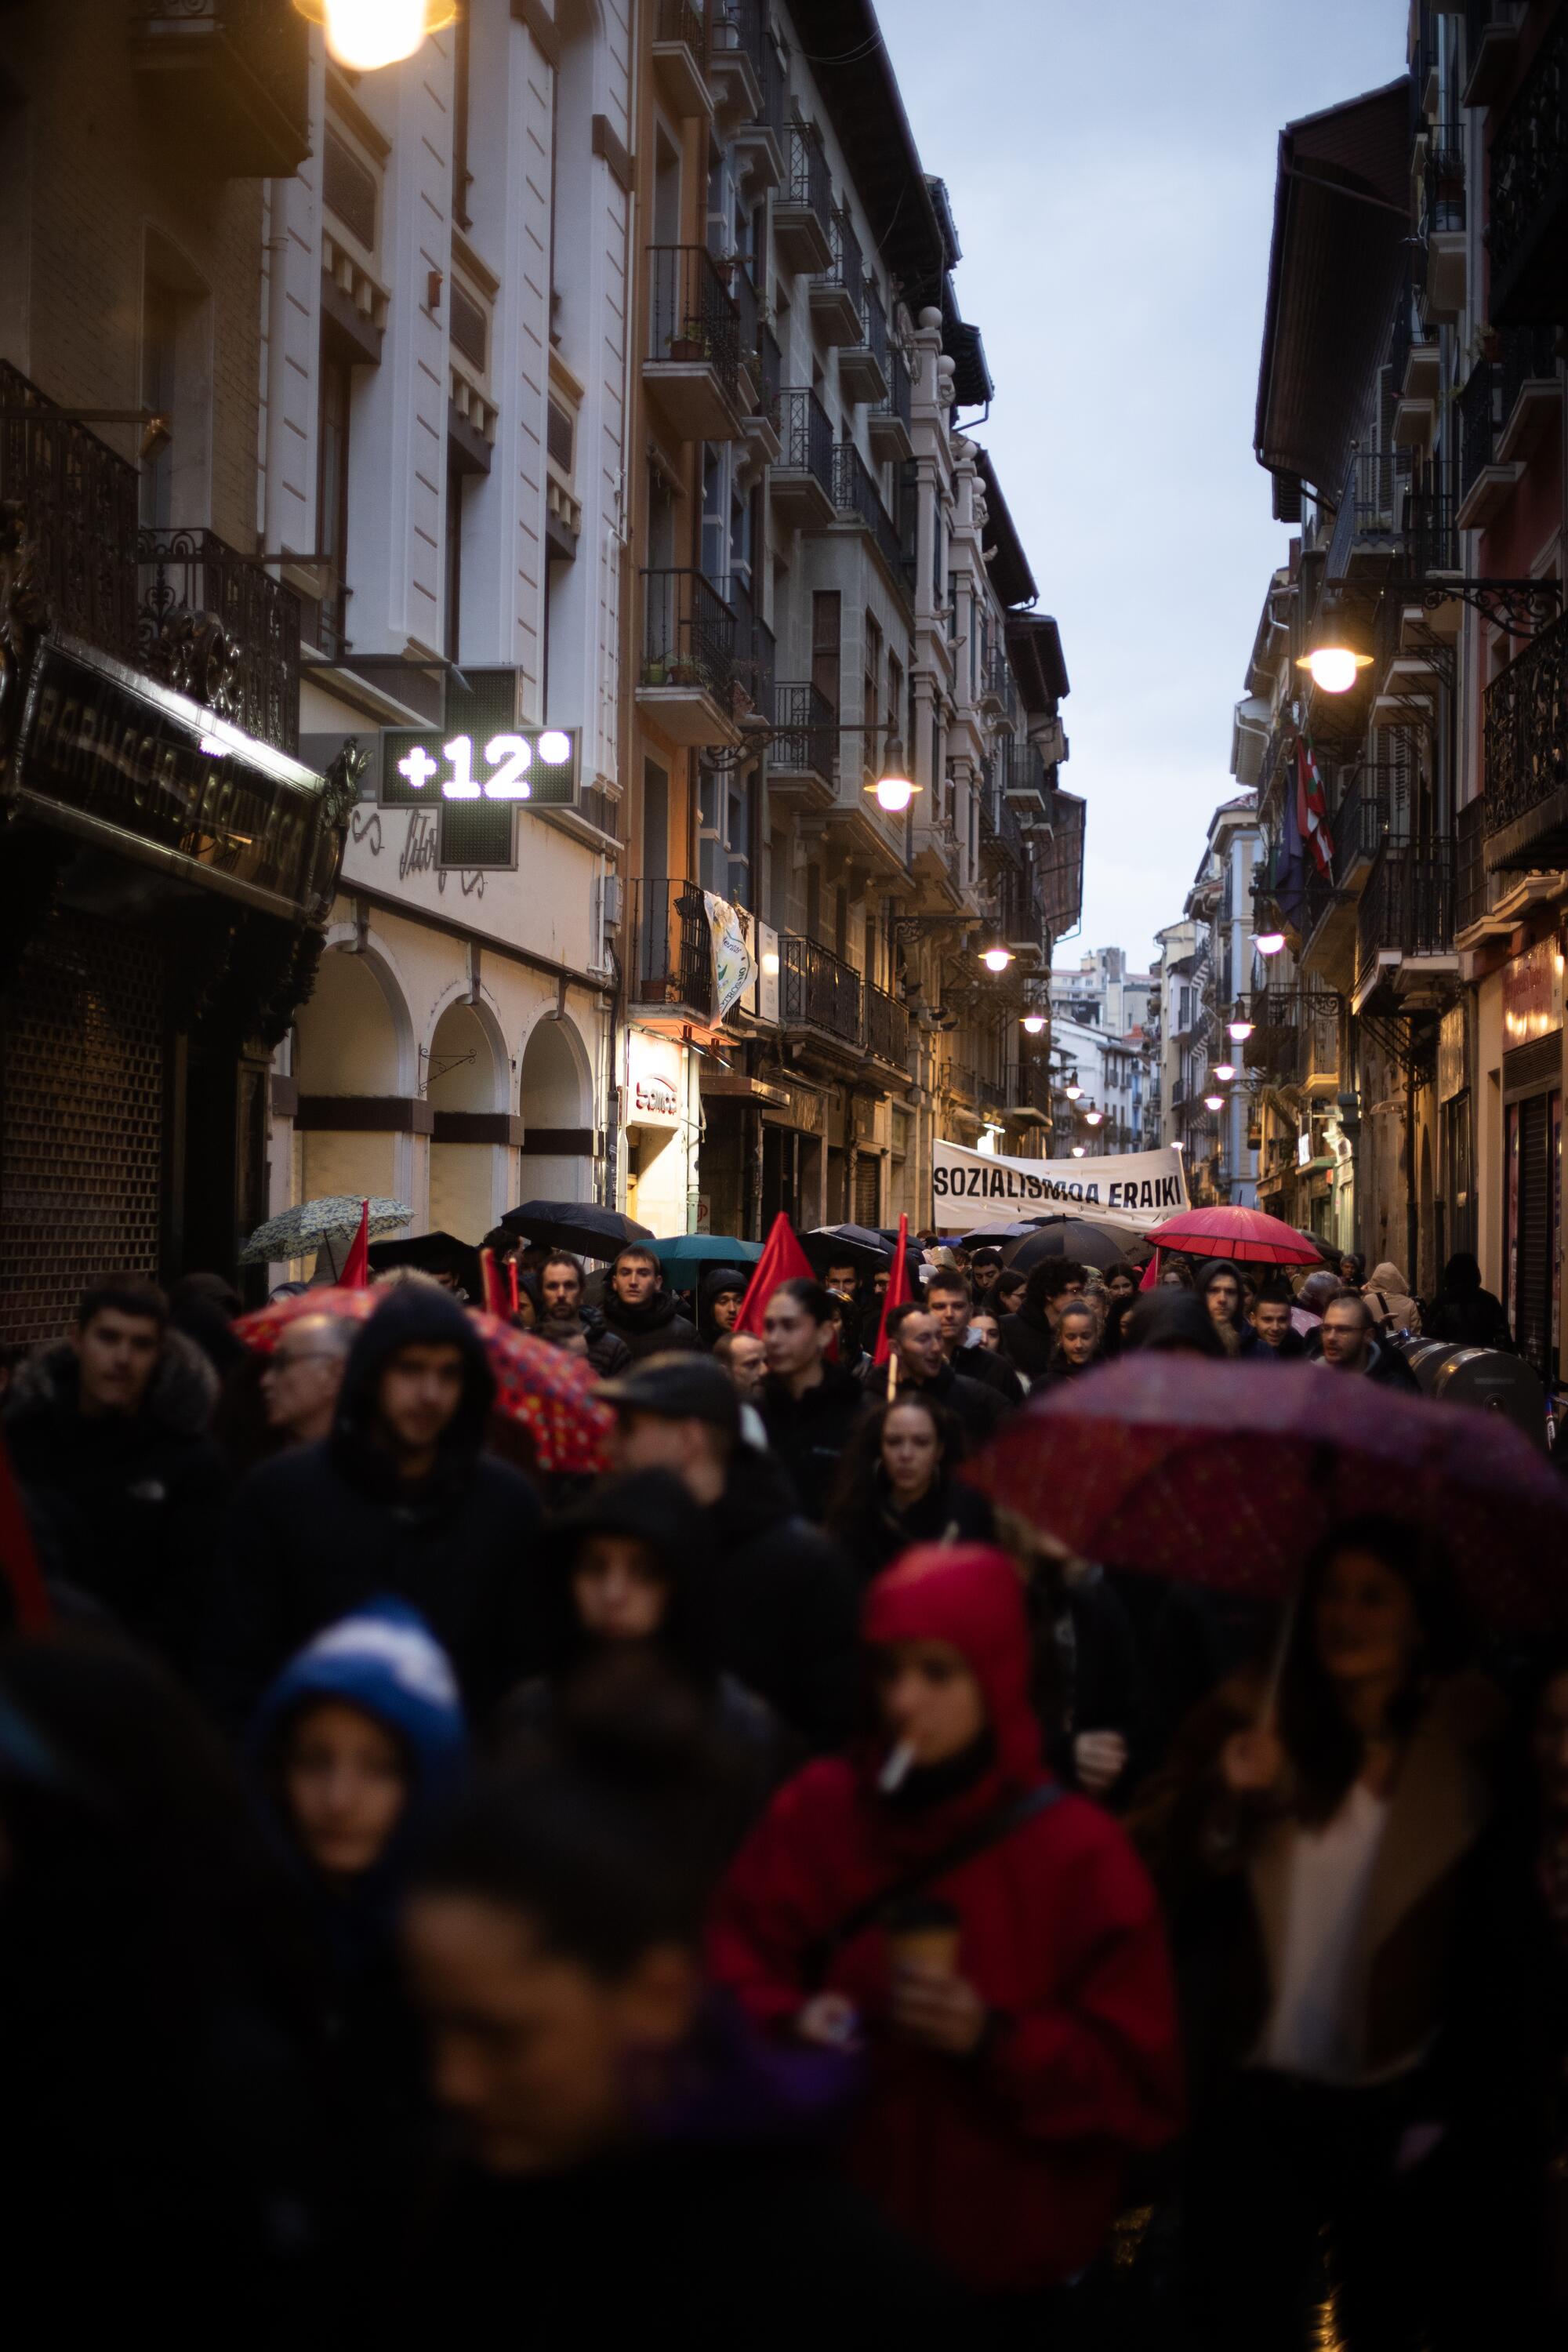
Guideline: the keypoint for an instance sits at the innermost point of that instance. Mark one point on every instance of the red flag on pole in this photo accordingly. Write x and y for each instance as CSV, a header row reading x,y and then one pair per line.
x,y
355,1274
511,1280
18,1560
1152,1273
495,1303
898,1291
783,1260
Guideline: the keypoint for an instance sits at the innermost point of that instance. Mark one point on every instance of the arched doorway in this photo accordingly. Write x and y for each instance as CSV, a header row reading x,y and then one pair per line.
x,y
348,1040
555,1099
467,1175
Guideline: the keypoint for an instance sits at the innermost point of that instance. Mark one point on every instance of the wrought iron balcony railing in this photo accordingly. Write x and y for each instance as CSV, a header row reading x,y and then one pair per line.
x,y
1528,160
805,436
847,270
79,501
819,992
898,406
1408,908
688,633
1443,179
759,355
855,494
740,29
808,181
672,945
186,575
805,733
1029,1087
681,21
755,649
886,1029
692,315
1526,755
1372,505
774,82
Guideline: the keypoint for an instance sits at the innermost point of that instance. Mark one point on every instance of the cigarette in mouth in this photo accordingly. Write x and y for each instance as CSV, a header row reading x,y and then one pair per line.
x,y
894,1769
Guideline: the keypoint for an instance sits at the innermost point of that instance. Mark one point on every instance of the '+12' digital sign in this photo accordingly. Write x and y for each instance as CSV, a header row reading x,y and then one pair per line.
x,y
508,767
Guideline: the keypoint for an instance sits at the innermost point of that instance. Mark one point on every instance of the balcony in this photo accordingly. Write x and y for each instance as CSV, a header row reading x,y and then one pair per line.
x,y
188,576
681,57
760,143
671,979
803,208
1526,756
225,82
837,292
1529,208
1002,838
761,367
1027,1091
819,992
804,759
1406,957
687,685
1369,527
1491,46
1490,904
890,425
886,1030
693,367
78,503
1021,916
1059,865
1443,223
858,499
737,55
863,365
754,655
1021,779
801,478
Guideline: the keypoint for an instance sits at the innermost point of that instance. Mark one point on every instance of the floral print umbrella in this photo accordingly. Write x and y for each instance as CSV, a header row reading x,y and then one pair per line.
x,y
296,1232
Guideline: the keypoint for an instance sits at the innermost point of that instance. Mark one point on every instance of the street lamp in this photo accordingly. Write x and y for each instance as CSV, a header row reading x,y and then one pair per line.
x,y
894,787
997,959
1033,1022
1093,1118
1214,1102
1072,1088
1226,1070
1334,668
365,35
1239,1031
1077,1151
1269,943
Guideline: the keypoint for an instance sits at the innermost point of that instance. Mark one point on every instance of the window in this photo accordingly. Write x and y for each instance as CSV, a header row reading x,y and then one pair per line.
x,y
176,383
655,820
825,631
332,498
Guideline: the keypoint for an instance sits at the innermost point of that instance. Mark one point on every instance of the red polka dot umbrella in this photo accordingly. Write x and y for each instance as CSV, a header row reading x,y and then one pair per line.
x,y
1216,1473
549,1394
259,1330
1249,1236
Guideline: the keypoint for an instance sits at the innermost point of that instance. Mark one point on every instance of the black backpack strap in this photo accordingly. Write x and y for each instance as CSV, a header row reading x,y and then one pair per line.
x,y
875,1908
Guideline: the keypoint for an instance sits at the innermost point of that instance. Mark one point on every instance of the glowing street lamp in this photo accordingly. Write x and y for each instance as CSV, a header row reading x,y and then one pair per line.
x,y
365,35
1033,1022
1269,943
895,788
1334,668
1226,1070
1072,1089
1239,1031
1214,1102
997,959
1093,1118
1077,1151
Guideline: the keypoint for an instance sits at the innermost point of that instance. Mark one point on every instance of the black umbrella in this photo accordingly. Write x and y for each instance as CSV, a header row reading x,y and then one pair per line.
x,y
433,1254
993,1236
1074,1237
581,1226
860,1246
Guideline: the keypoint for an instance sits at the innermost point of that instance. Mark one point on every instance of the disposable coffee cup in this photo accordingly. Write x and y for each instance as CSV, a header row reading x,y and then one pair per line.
x,y
925,1934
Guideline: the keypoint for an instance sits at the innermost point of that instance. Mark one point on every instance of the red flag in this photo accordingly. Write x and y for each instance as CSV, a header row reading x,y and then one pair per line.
x,y
511,1280
1312,809
1152,1273
783,1260
491,1274
18,1560
355,1274
898,1291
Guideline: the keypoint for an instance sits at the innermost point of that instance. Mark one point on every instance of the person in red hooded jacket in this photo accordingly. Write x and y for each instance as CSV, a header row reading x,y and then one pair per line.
x,y
1011,2075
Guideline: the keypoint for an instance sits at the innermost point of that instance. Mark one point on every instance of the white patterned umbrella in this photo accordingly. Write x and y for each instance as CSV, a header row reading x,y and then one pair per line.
x,y
306,1226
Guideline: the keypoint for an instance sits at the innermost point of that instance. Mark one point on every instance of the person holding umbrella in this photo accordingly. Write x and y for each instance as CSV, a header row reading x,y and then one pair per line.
x,y
1313,1848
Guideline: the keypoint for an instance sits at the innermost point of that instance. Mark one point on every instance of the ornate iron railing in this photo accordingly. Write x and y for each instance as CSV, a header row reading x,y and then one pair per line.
x,y
1443,179
805,733
820,990
1526,731
80,504
754,648
190,575
899,403
848,268
760,353
1529,154
688,633
808,183
854,493
1408,908
692,315
672,945
805,436
887,1028
1371,504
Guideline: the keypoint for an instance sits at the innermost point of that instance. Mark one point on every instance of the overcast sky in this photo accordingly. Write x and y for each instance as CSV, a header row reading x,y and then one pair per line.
x,y
1112,172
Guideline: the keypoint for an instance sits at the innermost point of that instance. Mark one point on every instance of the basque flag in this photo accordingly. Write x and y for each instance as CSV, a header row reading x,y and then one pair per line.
x,y
1312,809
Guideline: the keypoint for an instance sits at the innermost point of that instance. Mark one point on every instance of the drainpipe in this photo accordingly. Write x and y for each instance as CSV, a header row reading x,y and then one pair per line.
x,y
1412,1210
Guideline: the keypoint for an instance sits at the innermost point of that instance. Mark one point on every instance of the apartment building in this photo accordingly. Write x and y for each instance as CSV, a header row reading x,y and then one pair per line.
x,y
1411,414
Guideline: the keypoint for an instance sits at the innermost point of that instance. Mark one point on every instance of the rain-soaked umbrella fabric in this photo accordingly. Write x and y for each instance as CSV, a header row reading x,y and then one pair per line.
x,y
432,1253
858,1245
1247,1237
1078,1238
580,1227
296,1232
260,1328
684,1255
1215,1474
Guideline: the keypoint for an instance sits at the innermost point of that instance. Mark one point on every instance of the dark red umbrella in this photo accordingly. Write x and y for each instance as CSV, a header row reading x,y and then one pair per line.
x,y
1249,1236
1217,1474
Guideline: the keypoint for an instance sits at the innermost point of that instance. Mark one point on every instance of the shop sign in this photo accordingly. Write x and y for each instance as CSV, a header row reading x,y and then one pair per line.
x,y
1533,995
656,1098
1304,1147
126,762
1451,1054
653,1080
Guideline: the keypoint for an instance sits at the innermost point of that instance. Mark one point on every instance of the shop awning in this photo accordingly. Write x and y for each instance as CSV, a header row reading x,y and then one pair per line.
x,y
1341,230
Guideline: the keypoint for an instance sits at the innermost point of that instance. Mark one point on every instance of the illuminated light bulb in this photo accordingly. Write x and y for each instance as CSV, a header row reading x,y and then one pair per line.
x,y
554,748
1077,1151
771,963
1239,1031
1214,1102
1073,1092
1268,942
366,35
1226,1070
1335,668
1092,1117
997,959
894,794
1033,1022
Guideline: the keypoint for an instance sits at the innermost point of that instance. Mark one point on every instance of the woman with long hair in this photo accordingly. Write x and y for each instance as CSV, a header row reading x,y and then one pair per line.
x,y
1314,1849
1080,1345
897,1487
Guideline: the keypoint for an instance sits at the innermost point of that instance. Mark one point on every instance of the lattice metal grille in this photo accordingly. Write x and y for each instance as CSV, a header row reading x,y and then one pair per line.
x,y
81,1119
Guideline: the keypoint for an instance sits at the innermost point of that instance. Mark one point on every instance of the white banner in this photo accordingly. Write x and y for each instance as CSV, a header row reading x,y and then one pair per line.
x,y
972,1190
734,966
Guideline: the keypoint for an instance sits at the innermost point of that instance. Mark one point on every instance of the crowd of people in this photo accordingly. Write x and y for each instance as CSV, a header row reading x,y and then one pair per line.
x,y
766,1886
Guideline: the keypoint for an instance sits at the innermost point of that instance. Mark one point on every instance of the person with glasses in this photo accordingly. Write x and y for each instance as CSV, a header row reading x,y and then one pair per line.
x,y
301,1377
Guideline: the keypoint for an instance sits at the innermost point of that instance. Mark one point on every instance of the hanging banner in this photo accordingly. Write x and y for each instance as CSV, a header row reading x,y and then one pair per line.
x,y
972,1190
735,965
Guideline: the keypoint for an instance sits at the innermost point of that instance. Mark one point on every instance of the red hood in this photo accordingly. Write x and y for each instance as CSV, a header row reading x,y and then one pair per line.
x,y
968,1594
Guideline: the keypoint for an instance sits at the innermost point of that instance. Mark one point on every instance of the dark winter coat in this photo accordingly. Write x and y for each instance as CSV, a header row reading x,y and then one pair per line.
x,y
809,1433
1292,1348
992,1370
875,1533
782,1602
656,1327
127,1507
608,1354
1472,1318
1029,1340
1385,1366
1006,2166
977,1409
318,1532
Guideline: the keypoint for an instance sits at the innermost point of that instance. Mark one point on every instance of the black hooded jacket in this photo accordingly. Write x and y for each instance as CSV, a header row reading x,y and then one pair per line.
x,y
783,1603
656,1327
808,1433
1029,1339
719,1282
126,1507
321,1529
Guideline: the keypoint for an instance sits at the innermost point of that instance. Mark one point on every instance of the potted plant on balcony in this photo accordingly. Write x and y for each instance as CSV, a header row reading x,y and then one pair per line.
x,y
685,670
655,670
689,344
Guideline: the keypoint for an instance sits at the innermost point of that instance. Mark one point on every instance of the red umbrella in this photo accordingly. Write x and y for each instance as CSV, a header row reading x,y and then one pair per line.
x,y
259,1328
1217,1474
1248,1235
549,1394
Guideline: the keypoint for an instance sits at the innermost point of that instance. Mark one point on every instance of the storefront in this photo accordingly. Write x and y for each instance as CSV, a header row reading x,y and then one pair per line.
x,y
662,1122
163,887
1532,1151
